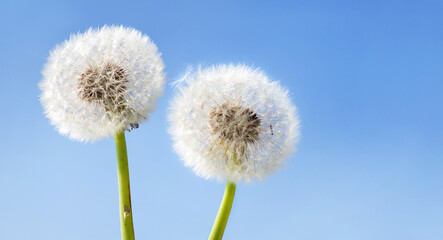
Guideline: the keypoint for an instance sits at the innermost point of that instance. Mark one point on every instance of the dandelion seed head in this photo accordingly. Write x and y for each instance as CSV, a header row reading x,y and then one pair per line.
x,y
102,81
231,121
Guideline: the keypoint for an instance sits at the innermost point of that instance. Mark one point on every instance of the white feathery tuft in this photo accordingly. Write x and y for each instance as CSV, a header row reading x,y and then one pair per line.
x,y
102,81
232,122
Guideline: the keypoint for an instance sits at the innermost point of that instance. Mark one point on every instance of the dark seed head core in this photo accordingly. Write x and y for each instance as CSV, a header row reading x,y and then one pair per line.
x,y
106,85
235,123
103,84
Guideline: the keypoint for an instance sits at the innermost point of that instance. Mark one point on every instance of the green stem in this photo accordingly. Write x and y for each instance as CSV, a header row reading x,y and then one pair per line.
x,y
223,212
124,190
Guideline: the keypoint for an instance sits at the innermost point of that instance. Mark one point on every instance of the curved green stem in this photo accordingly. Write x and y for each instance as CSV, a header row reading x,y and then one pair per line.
x,y
124,189
223,212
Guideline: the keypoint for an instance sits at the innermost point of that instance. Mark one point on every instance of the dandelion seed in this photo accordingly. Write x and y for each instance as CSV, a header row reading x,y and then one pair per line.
x,y
230,122
99,84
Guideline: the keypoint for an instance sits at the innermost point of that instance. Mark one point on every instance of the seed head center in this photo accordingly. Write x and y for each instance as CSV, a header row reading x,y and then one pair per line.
x,y
104,84
235,124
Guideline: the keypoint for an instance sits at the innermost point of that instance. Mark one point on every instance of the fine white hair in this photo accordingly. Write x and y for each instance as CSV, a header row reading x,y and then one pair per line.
x,y
102,81
232,122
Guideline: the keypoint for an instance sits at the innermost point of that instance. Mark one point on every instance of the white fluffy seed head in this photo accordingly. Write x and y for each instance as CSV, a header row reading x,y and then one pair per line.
x,y
102,81
230,121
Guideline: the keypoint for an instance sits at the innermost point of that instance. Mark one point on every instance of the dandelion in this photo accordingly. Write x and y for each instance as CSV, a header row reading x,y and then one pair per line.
x,y
100,83
230,122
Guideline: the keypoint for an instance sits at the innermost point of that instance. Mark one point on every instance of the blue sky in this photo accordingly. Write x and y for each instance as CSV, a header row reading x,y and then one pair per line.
x,y
367,79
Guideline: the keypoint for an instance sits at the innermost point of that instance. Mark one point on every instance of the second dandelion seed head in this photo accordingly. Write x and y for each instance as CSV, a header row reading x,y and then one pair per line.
x,y
230,121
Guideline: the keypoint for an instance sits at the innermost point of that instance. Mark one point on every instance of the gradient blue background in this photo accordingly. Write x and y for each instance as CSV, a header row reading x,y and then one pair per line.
x,y
366,76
